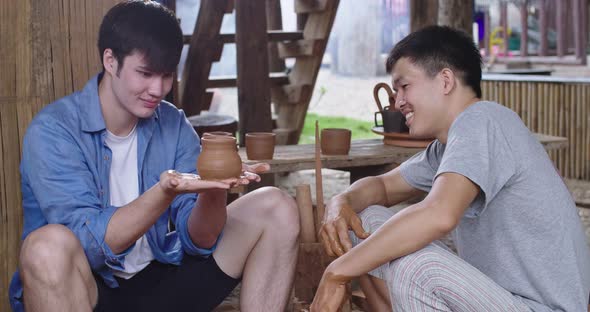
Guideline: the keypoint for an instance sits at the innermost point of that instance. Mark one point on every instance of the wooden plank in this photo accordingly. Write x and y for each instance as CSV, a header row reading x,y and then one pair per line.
x,y
300,48
297,93
310,6
252,62
8,41
76,44
274,22
275,79
11,201
203,49
273,36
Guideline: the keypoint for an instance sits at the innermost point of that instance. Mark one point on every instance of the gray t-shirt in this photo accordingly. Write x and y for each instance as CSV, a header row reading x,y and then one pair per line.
x,y
523,229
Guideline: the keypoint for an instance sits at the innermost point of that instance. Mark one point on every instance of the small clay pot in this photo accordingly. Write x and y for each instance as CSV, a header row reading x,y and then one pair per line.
x,y
219,158
335,141
218,133
260,145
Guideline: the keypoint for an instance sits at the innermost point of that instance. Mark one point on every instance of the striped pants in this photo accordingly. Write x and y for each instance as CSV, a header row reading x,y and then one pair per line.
x,y
436,279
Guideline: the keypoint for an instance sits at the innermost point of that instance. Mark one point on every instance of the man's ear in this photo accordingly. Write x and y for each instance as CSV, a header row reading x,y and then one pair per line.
x,y
448,79
110,62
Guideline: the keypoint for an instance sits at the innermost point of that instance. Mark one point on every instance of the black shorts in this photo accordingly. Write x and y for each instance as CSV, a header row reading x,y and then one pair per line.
x,y
196,285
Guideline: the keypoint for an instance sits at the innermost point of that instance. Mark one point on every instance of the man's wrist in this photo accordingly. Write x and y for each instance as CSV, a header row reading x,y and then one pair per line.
x,y
335,271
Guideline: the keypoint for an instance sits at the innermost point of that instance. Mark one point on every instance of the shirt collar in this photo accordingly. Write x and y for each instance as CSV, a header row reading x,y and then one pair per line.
x,y
91,113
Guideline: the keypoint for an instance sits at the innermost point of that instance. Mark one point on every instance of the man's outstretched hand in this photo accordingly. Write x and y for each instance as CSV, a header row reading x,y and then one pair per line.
x,y
174,183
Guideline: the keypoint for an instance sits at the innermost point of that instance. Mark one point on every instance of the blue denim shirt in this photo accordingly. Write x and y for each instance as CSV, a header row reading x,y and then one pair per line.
x,y
65,179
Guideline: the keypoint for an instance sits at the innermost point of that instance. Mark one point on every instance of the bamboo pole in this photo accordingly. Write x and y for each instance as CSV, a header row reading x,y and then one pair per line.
x,y
319,195
306,219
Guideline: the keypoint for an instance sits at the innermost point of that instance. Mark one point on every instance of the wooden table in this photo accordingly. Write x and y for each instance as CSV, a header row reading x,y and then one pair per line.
x,y
366,157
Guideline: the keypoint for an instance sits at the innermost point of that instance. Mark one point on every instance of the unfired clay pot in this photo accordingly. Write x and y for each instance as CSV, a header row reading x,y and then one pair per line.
x,y
335,141
219,158
220,133
260,145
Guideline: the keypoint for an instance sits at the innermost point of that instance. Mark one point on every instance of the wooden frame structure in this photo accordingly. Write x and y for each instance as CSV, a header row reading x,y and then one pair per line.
x,y
569,19
258,23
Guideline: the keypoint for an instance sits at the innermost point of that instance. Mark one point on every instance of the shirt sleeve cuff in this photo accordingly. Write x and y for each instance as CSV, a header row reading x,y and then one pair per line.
x,y
98,228
192,249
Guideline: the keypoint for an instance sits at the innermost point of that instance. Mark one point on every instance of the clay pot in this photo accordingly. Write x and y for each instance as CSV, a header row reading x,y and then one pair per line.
x,y
260,145
219,133
335,141
219,158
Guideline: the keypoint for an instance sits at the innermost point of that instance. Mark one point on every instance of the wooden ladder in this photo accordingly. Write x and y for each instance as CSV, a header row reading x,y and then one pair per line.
x,y
262,77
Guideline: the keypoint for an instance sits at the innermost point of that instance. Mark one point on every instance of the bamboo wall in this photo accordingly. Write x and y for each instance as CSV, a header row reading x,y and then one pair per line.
x,y
552,106
47,50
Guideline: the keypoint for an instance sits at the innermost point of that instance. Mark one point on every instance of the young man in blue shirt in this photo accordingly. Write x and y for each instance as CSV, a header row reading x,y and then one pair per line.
x,y
111,224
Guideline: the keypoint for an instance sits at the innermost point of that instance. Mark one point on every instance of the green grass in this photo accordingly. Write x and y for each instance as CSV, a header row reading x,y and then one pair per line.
x,y
361,129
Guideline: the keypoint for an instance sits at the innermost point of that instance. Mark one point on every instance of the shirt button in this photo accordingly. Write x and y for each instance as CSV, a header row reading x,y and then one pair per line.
x,y
106,157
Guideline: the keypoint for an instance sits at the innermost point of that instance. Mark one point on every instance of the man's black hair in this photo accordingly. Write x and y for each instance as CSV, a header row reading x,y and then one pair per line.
x,y
436,47
146,27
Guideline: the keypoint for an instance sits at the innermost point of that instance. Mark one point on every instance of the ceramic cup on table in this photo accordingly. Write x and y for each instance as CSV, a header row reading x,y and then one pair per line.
x,y
260,145
335,141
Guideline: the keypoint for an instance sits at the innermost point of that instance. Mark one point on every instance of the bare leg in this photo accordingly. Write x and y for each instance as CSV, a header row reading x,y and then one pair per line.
x,y
55,273
376,293
259,243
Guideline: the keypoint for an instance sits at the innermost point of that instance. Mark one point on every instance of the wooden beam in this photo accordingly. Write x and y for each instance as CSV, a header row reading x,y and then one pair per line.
x,y
273,36
203,49
252,58
274,22
300,48
275,79
310,6
297,93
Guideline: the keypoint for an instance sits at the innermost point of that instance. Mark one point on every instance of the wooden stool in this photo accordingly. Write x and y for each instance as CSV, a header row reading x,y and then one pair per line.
x,y
213,122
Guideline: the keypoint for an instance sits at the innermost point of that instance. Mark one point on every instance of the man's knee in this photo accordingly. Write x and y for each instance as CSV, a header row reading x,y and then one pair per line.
x,y
279,209
424,268
48,252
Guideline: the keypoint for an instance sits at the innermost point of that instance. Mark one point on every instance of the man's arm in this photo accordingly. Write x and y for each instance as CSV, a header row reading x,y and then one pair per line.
x,y
341,213
412,228
131,221
406,232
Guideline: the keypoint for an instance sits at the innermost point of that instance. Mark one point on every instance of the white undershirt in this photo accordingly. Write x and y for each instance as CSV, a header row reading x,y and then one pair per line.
x,y
124,188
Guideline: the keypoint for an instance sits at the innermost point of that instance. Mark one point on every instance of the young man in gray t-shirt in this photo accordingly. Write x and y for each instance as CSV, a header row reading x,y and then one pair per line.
x,y
489,183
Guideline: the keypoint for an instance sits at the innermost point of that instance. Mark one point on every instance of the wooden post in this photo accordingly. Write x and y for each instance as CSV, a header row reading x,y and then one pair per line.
x,y
204,47
561,27
457,14
524,36
543,25
306,219
504,25
252,58
423,13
